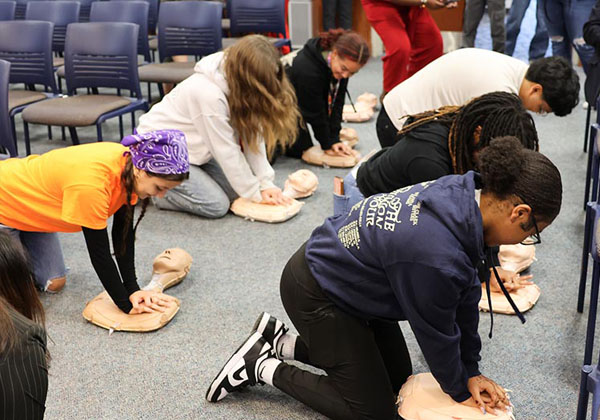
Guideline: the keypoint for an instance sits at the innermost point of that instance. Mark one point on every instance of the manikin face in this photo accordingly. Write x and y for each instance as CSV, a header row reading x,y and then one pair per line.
x,y
146,185
534,101
171,259
343,68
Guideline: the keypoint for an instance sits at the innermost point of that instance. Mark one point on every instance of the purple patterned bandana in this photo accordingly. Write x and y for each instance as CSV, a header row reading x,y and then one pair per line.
x,y
160,152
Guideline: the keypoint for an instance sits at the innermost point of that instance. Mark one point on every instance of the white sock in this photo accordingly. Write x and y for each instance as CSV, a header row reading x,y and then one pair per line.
x,y
285,346
266,370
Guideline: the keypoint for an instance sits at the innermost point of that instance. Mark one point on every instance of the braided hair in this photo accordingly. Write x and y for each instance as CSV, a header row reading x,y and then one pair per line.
x,y
497,113
128,180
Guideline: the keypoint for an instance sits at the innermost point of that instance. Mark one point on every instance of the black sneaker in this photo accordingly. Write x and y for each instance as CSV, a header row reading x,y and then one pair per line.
x,y
241,370
271,329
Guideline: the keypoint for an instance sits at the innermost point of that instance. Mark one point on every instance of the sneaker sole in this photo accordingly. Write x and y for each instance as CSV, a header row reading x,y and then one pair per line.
x,y
211,393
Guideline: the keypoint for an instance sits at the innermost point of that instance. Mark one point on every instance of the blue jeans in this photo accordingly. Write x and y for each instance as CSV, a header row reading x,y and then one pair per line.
x,y
539,43
206,193
352,195
45,254
565,20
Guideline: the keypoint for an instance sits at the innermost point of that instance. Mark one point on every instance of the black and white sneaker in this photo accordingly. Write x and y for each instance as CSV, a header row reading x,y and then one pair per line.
x,y
241,370
271,329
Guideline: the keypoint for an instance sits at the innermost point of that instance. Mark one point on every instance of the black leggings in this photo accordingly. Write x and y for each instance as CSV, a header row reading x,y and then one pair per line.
x,y
387,133
366,362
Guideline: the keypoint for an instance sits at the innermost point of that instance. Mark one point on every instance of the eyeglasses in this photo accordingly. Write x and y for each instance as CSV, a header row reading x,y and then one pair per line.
x,y
535,238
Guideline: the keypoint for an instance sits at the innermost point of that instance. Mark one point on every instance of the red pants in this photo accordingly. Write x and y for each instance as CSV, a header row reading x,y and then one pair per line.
x,y
410,37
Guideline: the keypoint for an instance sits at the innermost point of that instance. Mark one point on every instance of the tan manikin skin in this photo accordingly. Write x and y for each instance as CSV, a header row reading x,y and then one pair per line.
x,y
316,156
363,109
169,268
421,398
513,258
349,136
300,184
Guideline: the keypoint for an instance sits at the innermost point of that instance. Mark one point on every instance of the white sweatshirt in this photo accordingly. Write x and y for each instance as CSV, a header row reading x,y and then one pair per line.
x,y
198,106
454,79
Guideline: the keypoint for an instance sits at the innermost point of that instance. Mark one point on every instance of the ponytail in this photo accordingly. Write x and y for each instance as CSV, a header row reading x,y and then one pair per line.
x,y
348,44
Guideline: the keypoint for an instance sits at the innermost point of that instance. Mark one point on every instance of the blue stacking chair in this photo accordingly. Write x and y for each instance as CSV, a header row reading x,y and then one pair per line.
x,y
590,374
125,11
7,10
85,7
257,16
27,45
22,8
97,55
60,13
592,181
7,140
184,28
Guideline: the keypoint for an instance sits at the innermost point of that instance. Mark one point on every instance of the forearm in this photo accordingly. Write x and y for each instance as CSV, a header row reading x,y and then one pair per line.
x,y
125,255
99,251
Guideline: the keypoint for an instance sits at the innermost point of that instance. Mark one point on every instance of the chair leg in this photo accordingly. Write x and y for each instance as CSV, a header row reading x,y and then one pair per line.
x,y
74,137
121,126
62,131
584,258
59,81
588,173
582,402
26,135
149,92
14,132
587,128
99,131
161,92
133,122
49,132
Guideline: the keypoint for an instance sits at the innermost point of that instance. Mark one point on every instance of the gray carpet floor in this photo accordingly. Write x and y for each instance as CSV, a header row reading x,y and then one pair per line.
x,y
235,276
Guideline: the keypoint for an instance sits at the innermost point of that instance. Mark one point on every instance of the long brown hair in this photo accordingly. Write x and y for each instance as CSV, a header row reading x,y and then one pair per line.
x,y
128,180
497,113
348,44
262,101
17,290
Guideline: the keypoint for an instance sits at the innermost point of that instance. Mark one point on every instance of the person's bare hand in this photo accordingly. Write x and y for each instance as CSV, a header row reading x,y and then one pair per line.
x,y
339,149
452,5
512,281
148,301
435,4
486,394
274,196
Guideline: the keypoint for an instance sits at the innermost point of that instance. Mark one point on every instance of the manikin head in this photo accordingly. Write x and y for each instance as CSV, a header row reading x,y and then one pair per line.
x,y
521,195
172,260
349,52
550,85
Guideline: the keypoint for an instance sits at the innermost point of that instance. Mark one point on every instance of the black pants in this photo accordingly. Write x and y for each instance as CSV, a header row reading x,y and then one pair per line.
x,y
387,133
303,142
341,8
366,362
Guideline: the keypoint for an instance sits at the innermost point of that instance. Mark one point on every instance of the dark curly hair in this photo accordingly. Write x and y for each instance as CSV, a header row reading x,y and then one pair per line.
x,y
559,81
507,169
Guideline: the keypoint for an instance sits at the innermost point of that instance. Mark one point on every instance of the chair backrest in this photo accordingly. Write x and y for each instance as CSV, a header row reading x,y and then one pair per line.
x,y
6,135
61,13
153,6
189,28
258,16
125,11
102,54
21,7
27,44
84,10
7,10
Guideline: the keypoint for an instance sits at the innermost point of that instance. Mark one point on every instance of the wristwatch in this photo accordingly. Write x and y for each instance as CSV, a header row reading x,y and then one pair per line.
x,y
423,4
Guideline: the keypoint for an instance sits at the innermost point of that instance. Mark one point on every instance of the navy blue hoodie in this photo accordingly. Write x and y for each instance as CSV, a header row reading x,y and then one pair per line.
x,y
412,255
